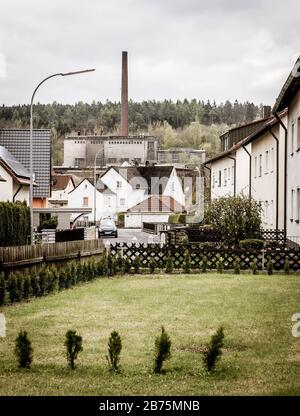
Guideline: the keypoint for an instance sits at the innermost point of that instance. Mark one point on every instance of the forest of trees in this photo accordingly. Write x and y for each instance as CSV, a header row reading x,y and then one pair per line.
x,y
181,123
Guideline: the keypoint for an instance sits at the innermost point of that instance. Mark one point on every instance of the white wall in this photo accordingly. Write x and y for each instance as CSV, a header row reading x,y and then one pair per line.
x,y
73,148
174,188
242,170
86,190
293,171
127,197
135,220
225,189
62,194
9,188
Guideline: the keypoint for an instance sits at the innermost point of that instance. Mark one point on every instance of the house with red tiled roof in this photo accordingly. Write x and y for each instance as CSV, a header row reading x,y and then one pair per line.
x,y
61,186
154,209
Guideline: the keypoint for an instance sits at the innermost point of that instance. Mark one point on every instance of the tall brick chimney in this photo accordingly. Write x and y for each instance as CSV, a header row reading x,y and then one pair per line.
x,y
124,96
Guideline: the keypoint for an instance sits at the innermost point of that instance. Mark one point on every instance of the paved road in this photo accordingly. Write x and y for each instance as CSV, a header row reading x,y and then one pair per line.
x,y
127,235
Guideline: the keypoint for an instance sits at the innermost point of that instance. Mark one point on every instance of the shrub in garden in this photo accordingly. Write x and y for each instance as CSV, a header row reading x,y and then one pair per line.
x,y
3,293
110,264
162,350
254,267
73,273
252,243
73,344
186,262
27,290
220,266
53,282
169,264
213,350
270,267
127,265
236,266
136,264
119,261
114,351
23,350
35,284
43,280
244,214
204,264
286,266
184,240
62,279
152,265
12,287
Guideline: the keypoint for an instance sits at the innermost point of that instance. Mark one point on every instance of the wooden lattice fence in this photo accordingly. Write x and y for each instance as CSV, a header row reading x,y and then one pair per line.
x,y
245,257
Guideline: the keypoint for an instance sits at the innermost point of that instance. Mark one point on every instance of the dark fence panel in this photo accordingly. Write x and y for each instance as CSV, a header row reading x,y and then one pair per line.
x,y
245,257
69,235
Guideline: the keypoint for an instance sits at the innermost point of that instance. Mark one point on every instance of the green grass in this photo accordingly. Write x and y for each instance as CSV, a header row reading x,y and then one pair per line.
x,y
260,355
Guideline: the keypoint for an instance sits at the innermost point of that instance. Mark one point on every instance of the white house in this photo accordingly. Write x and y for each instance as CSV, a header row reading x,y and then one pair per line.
x,y
83,196
154,209
133,184
61,186
289,97
14,178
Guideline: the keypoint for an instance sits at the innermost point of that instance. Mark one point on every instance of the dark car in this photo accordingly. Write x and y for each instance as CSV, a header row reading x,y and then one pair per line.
x,y
108,228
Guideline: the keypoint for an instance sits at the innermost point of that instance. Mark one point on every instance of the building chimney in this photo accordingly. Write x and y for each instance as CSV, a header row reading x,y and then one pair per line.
x,y
266,111
124,96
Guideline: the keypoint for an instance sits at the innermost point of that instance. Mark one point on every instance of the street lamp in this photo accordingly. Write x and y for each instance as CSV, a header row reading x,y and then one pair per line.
x,y
62,74
95,190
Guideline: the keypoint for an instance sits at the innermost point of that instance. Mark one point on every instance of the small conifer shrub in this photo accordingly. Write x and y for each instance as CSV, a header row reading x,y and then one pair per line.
x,y
270,267
114,351
162,350
187,262
236,265
73,344
152,265
213,350
169,264
23,350
286,266
220,266
254,267
136,264
204,264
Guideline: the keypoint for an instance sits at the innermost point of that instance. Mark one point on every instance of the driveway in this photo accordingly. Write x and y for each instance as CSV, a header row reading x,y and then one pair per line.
x,y
129,235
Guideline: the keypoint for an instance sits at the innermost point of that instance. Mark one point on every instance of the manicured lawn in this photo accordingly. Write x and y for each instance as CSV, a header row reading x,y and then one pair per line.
x,y
260,354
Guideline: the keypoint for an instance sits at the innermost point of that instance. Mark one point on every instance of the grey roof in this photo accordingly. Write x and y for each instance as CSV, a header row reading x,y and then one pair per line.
x,y
13,164
17,142
289,89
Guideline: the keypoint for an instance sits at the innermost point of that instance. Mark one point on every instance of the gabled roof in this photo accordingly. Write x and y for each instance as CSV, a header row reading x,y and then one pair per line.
x,y
60,182
289,89
14,167
17,142
157,203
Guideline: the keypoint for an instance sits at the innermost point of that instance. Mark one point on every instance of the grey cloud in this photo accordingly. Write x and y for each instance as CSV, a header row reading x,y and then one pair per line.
x,y
217,49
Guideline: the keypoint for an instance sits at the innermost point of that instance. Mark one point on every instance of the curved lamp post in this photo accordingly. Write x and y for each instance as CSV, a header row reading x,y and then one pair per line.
x,y
62,74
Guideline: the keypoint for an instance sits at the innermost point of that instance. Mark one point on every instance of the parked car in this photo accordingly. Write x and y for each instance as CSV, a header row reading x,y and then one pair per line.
x,y
107,227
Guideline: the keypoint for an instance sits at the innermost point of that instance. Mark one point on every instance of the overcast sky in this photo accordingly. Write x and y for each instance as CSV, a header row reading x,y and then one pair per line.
x,y
204,49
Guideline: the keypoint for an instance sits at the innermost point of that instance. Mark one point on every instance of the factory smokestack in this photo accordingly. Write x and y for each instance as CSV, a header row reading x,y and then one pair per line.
x,y
124,96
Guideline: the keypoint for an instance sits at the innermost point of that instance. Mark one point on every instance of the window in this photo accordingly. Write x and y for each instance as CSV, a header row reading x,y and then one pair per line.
x,y
228,178
213,180
220,178
122,201
292,138
271,213
272,159
298,205
233,178
119,184
255,166
85,201
138,186
225,177
260,166
292,204
266,161
298,134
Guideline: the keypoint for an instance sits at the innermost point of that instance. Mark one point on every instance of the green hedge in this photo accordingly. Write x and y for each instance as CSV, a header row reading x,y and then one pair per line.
x,y
14,223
